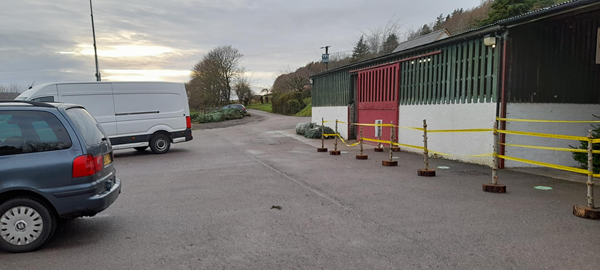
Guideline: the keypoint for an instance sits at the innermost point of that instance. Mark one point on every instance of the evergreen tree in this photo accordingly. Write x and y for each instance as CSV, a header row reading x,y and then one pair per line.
x,y
390,44
425,30
582,158
360,51
438,22
502,9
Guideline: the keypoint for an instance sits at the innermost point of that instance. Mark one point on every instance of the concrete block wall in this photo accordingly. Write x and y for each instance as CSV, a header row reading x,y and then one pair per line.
x,y
331,114
547,111
451,116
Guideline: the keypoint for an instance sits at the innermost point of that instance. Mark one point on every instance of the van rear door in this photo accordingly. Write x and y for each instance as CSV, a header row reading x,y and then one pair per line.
x,y
97,98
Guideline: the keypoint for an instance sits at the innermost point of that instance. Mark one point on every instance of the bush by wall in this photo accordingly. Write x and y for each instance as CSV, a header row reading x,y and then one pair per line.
x,y
288,103
217,116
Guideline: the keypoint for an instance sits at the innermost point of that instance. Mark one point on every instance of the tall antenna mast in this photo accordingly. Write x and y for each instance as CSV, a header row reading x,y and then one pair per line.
x,y
98,76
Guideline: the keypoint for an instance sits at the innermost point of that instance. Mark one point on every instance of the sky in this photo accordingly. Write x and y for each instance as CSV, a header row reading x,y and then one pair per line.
x,y
160,40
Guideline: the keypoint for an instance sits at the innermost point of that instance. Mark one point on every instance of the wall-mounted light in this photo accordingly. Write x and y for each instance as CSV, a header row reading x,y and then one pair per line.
x,y
310,80
489,41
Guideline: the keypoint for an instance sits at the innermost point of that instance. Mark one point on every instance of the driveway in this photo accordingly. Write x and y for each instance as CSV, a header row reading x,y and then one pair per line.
x,y
209,204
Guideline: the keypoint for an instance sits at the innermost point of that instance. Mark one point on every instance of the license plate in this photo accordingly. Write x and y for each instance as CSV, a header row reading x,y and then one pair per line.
x,y
107,159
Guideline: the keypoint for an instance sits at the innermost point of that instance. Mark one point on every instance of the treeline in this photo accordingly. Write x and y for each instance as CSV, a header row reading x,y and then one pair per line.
x,y
488,12
10,92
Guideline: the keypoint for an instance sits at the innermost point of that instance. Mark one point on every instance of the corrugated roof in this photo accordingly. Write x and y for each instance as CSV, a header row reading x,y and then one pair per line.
x,y
422,40
551,10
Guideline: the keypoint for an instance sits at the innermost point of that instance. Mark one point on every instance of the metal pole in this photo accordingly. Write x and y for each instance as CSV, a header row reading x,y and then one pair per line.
x,y
379,137
590,181
336,135
391,136
495,160
98,76
361,140
322,131
425,151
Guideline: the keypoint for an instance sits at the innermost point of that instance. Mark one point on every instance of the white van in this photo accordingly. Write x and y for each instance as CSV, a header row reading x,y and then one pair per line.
x,y
133,114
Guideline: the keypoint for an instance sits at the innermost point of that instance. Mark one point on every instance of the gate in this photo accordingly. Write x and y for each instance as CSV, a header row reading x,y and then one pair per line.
x,y
377,96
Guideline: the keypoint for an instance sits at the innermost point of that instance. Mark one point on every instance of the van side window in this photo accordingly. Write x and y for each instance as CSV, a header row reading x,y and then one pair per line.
x,y
44,99
31,131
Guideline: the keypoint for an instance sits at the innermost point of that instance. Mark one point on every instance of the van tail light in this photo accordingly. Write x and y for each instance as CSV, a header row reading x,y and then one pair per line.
x,y
188,122
84,166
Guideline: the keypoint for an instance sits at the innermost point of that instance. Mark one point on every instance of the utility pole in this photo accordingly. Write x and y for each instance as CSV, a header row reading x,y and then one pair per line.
x,y
325,57
98,76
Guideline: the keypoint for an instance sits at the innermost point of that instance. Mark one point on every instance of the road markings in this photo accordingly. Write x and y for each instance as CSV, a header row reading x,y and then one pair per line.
x,y
302,184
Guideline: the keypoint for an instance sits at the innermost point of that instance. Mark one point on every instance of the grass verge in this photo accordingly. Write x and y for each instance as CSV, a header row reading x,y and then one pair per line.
x,y
265,107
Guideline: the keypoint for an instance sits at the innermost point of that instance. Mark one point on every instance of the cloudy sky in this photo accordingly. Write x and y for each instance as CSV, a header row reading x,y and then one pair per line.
x,y
51,40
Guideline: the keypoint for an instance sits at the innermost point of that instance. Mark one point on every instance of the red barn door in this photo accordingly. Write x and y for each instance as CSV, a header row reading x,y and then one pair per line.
x,y
377,97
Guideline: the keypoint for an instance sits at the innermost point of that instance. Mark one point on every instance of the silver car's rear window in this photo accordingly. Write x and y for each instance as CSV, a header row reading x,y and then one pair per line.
x,y
87,125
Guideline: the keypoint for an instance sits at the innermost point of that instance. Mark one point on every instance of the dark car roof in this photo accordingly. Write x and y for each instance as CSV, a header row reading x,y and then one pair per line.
x,y
33,104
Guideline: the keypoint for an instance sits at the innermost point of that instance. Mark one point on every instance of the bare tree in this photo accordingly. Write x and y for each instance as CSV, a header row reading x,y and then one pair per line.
x,y
10,92
375,38
242,90
213,77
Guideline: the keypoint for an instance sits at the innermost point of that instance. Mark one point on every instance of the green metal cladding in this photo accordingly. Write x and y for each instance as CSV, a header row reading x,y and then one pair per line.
x,y
465,72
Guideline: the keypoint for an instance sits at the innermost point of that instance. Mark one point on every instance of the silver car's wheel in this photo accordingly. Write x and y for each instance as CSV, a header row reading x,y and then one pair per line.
x,y
25,224
21,225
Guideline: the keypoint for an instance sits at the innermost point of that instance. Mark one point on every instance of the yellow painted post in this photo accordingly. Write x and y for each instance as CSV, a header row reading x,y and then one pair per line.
x,y
322,149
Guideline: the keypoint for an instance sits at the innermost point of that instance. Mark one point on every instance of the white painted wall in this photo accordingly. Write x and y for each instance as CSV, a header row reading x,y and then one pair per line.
x,y
451,116
331,114
547,111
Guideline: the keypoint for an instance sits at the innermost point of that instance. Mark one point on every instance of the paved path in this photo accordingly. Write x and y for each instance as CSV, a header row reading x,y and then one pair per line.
x,y
208,205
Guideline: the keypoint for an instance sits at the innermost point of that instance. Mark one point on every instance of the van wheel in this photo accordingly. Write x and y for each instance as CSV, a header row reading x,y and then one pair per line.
x,y
25,224
160,144
141,149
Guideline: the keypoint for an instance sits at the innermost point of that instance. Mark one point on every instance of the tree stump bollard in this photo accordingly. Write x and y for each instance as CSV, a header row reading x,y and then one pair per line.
x,y
335,152
589,211
494,187
426,171
362,156
395,148
391,162
322,149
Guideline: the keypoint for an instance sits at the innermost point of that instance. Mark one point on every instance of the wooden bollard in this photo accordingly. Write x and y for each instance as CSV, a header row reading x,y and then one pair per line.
x,y
589,211
335,152
426,171
362,156
322,149
391,162
494,187
395,148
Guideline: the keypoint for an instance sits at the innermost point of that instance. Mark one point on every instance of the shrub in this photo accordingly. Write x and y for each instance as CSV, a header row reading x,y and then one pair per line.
x,y
282,105
294,106
217,116
582,158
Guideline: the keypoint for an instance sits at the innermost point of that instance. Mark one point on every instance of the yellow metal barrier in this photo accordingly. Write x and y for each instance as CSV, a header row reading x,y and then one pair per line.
x,y
551,148
542,121
545,135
